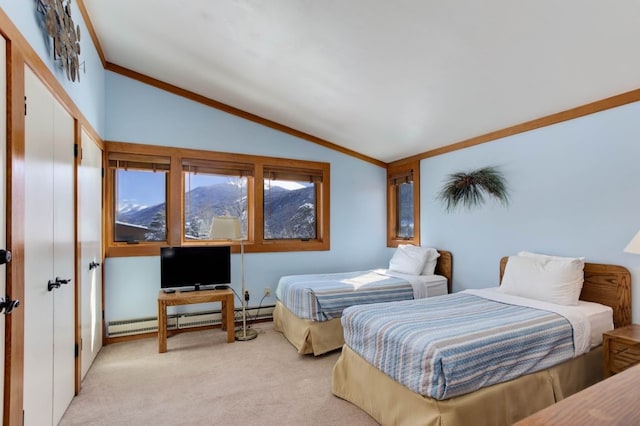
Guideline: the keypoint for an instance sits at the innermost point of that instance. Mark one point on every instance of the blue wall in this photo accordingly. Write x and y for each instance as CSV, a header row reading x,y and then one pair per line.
x,y
142,114
575,191
88,93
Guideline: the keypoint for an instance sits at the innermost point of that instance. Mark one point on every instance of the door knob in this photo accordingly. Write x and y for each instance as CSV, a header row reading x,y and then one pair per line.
x,y
5,256
8,305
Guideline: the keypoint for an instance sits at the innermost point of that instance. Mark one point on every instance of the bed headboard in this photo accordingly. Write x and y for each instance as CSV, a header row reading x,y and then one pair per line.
x,y
606,284
444,267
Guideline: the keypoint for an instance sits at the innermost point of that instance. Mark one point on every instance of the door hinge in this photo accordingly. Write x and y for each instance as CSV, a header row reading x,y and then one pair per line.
x,y
103,172
75,150
25,105
77,350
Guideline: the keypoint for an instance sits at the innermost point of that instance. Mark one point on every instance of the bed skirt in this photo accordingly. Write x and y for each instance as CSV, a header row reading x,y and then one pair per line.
x,y
390,403
308,336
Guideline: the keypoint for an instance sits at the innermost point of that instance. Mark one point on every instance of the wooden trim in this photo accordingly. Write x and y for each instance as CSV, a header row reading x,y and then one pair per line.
x,y
392,208
77,136
569,114
92,32
237,112
606,284
14,339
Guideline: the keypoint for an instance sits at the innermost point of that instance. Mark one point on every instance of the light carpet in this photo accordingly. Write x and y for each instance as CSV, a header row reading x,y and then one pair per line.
x,y
202,380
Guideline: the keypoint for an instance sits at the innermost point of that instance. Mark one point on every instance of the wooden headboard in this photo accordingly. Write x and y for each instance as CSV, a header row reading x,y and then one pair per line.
x,y
606,284
444,267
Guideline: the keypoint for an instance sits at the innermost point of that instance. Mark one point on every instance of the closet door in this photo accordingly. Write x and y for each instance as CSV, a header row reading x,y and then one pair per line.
x,y
90,238
49,359
64,247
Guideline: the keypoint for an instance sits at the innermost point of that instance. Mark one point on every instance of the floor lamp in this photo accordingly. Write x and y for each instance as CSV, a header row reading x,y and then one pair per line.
x,y
228,228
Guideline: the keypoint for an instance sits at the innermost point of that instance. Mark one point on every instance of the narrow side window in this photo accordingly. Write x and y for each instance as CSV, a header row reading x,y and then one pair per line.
x,y
403,204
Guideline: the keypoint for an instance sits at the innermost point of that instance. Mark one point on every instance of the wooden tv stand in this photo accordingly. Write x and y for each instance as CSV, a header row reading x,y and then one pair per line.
x,y
225,297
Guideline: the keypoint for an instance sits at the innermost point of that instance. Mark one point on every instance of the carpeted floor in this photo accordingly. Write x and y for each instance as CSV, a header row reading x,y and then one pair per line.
x,y
202,380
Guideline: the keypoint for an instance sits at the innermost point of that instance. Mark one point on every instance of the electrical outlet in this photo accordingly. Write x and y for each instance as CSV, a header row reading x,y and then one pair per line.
x,y
267,292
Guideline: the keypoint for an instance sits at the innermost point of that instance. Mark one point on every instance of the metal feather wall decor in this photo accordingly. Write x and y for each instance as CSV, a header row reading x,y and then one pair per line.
x,y
468,189
65,34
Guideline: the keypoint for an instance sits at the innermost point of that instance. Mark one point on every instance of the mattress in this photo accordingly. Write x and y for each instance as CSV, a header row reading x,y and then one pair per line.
x,y
599,317
323,297
450,346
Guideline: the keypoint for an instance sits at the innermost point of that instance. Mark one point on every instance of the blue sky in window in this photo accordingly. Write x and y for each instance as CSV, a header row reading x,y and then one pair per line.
x,y
141,188
147,188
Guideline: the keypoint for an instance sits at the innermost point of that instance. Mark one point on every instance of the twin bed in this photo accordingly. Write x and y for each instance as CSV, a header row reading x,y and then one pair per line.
x,y
480,357
309,307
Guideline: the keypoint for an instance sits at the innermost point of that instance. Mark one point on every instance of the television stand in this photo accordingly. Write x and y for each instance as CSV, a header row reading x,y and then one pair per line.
x,y
225,297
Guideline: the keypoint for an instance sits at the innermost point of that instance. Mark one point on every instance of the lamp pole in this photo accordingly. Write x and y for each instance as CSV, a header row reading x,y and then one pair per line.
x,y
244,334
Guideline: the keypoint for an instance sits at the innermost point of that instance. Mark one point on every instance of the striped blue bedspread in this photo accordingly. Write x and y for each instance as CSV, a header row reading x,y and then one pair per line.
x,y
321,297
451,345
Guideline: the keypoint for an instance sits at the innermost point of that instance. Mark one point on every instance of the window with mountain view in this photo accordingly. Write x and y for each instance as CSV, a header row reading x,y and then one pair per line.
x,y
214,189
139,198
403,204
290,204
159,196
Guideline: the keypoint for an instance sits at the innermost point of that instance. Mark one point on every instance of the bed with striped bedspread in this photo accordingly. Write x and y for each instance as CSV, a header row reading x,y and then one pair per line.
x,y
446,346
322,297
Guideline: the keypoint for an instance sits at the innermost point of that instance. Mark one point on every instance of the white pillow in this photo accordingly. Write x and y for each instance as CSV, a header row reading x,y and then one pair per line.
x,y
408,259
432,260
546,278
546,256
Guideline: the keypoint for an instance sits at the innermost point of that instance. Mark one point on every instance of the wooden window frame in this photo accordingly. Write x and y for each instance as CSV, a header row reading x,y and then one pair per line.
x,y
255,241
412,168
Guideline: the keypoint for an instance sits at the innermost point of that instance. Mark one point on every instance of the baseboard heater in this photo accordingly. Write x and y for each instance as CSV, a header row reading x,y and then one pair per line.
x,y
182,321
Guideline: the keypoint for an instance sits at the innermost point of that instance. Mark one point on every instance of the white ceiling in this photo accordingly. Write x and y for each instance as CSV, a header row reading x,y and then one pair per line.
x,y
387,79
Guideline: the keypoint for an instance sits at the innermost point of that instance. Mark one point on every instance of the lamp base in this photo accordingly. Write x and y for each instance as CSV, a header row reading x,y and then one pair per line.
x,y
247,334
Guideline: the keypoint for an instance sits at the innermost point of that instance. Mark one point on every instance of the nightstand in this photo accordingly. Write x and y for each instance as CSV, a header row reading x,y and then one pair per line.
x,y
621,349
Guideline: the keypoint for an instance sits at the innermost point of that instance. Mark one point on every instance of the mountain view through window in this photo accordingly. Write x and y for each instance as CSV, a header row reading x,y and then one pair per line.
x,y
289,206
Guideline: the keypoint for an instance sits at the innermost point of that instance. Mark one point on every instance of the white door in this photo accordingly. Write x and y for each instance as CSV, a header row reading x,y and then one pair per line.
x,y
3,196
64,253
90,238
49,317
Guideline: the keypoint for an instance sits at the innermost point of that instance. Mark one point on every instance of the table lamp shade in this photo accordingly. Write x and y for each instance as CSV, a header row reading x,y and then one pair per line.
x,y
634,245
225,228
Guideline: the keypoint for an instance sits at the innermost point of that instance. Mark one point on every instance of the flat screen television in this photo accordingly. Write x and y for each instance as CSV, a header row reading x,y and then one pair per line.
x,y
194,267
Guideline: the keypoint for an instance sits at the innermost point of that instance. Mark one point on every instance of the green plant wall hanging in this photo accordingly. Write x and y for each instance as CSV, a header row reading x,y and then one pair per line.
x,y
469,189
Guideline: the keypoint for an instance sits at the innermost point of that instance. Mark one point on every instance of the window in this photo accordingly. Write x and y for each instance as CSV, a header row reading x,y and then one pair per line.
x,y
403,204
214,188
290,203
140,208
159,196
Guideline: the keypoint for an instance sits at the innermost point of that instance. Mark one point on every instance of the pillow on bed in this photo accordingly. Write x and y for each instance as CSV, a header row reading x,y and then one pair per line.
x,y
546,256
408,259
546,278
432,260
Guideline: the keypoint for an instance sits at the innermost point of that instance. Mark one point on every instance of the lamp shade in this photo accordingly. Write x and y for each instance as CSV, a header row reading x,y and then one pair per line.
x,y
634,245
225,228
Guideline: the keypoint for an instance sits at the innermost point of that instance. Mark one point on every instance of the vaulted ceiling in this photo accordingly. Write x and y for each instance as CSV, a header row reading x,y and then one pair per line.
x,y
386,79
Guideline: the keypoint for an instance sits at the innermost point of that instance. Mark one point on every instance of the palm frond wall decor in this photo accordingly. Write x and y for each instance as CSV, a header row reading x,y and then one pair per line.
x,y
468,189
